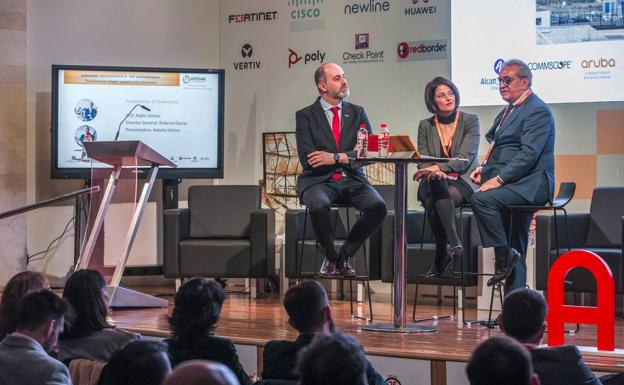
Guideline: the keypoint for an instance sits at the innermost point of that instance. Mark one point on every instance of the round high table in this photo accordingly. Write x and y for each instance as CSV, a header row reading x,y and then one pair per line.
x,y
399,324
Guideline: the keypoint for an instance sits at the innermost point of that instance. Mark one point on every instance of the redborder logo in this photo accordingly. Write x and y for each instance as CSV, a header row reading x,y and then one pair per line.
x,y
403,50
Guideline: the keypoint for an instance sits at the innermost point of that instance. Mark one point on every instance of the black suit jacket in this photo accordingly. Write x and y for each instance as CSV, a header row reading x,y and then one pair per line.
x,y
314,134
562,365
280,360
207,348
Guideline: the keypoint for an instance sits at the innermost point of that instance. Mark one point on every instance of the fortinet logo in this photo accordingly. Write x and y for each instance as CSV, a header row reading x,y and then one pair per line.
x,y
253,16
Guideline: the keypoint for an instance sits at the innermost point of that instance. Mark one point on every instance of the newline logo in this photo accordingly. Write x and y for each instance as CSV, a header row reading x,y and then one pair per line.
x,y
370,7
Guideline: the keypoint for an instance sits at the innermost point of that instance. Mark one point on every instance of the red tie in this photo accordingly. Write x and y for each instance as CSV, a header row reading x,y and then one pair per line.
x,y
336,132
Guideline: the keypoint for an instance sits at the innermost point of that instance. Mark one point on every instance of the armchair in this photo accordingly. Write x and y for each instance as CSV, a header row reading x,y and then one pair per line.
x,y
222,234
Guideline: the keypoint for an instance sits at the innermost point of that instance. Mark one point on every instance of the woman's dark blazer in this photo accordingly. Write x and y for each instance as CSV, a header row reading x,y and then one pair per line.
x,y
465,144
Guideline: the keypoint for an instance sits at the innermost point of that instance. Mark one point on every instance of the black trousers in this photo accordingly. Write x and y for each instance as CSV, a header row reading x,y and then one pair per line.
x,y
493,221
362,196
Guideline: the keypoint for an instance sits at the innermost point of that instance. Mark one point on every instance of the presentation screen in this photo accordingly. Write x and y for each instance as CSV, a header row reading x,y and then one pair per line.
x,y
575,49
177,112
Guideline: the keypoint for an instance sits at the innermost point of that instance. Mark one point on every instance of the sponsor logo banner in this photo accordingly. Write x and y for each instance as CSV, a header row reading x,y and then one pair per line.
x,y
362,53
252,17
370,6
422,50
295,58
246,53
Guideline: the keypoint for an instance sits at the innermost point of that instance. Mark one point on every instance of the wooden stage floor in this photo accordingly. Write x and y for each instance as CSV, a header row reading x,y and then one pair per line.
x,y
254,322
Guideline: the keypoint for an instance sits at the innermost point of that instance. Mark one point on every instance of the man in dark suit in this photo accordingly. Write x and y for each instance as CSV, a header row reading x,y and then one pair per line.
x,y
326,139
24,355
309,313
519,169
522,318
501,360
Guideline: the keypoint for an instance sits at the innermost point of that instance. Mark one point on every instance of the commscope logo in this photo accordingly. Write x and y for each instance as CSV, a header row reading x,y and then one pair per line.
x,y
422,50
550,65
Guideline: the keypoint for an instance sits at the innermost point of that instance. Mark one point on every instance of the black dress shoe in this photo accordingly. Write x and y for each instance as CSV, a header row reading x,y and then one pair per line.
x,y
435,271
503,267
328,267
344,268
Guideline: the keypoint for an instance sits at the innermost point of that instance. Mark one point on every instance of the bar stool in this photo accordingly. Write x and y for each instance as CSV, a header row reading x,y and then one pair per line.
x,y
299,250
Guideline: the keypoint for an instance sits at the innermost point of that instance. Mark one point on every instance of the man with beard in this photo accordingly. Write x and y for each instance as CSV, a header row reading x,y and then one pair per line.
x,y
24,355
309,313
326,139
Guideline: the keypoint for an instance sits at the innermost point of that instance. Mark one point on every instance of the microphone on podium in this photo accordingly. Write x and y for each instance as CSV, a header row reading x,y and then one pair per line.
x,y
128,114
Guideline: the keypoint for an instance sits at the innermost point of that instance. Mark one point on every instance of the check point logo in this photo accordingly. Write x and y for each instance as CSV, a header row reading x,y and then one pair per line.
x,y
293,58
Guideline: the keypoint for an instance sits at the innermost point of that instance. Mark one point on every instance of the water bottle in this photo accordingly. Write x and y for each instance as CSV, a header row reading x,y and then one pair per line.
x,y
362,142
384,140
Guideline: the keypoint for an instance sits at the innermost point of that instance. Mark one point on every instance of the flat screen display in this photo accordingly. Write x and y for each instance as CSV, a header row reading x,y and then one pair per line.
x,y
177,112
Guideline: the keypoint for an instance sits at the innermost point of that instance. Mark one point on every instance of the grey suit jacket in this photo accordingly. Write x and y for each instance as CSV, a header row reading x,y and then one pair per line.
x,y
465,144
25,362
314,134
524,151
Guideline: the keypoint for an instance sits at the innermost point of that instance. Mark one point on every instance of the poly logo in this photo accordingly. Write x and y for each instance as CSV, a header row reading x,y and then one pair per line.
x,y
293,58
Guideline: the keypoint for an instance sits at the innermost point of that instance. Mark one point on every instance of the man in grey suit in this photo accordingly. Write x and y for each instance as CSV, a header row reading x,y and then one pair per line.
x,y
519,170
326,138
24,355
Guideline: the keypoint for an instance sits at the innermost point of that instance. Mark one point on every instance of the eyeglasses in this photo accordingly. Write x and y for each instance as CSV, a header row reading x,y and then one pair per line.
x,y
505,80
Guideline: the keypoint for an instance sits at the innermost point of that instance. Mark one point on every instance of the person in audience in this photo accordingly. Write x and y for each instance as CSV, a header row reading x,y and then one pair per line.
x,y
501,360
336,359
200,372
24,357
138,363
522,318
17,287
309,313
449,133
90,335
195,315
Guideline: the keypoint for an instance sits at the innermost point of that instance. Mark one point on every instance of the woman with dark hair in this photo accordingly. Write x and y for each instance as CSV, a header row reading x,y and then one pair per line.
x,y
17,287
449,133
90,335
195,315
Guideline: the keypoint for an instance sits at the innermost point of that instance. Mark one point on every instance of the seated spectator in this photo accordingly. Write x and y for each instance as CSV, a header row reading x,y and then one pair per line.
x,y
336,359
501,360
138,363
90,335
24,357
309,313
195,316
17,287
522,318
200,372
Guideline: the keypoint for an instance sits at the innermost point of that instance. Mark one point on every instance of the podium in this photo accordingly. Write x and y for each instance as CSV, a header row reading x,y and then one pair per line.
x,y
128,158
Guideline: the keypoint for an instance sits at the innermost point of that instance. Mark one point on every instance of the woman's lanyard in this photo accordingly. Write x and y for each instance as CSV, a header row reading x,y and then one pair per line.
x,y
446,143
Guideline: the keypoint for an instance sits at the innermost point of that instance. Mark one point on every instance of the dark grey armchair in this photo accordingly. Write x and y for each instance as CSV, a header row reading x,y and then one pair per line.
x,y
600,231
223,234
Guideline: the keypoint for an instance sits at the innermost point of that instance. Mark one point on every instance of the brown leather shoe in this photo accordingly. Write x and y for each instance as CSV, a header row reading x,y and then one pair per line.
x,y
328,267
344,268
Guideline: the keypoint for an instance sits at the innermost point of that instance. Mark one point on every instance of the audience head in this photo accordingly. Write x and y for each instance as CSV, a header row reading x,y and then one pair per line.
x,y
41,315
138,363
86,292
331,82
441,96
200,372
197,308
514,79
336,359
523,315
17,287
501,360
308,308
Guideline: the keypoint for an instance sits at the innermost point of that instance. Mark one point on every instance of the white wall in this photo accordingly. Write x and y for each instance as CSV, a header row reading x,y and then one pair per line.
x,y
151,33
